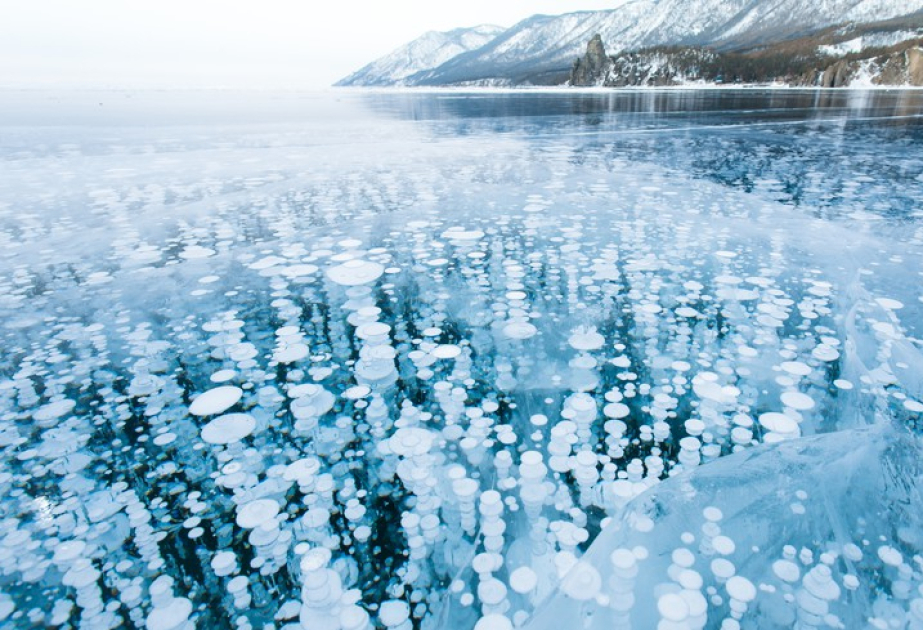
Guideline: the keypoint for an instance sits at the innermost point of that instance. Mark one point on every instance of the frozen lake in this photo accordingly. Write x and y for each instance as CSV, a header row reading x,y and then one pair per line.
x,y
452,360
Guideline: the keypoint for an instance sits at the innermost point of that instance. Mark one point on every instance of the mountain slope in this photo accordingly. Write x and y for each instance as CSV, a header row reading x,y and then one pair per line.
x,y
542,48
424,53
533,46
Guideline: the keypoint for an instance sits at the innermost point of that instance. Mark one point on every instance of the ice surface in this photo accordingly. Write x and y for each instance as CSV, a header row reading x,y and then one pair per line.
x,y
437,361
824,504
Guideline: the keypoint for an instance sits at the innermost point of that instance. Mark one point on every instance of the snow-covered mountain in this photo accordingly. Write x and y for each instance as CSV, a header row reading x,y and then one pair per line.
x,y
536,45
424,53
542,48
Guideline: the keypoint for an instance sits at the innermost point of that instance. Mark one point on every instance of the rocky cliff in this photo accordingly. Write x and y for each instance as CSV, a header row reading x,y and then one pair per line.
x,y
802,62
589,69
904,67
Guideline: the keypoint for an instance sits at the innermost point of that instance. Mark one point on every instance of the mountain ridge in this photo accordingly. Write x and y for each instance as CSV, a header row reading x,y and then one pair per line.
x,y
430,50
541,49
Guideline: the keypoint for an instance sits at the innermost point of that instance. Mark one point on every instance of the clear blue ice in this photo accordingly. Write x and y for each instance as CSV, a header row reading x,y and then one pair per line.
x,y
449,361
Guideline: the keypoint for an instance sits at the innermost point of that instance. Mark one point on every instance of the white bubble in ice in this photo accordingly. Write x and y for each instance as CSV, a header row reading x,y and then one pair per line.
x,y
582,582
256,512
890,556
266,263
491,591
519,330
523,580
493,621
409,441
373,330
53,410
393,613
723,568
741,589
170,616
797,401
195,252
229,428
446,351
825,353
780,424
890,304
706,386
460,234
723,545
819,583
672,607
586,339
299,271
538,419
616,410
222,376
165,439
224,563
310,400
796,368
68,551
786,570
357,392
355,272
352,617
712,514
291,354
215,400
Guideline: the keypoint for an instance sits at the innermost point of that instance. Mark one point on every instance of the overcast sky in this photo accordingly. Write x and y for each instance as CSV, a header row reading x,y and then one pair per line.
x,y
227,43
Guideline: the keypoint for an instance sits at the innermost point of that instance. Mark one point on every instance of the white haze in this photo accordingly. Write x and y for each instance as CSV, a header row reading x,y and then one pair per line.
x,y
226,43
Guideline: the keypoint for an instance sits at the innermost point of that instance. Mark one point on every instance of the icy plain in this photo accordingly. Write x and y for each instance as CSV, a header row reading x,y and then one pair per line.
x,y
448,361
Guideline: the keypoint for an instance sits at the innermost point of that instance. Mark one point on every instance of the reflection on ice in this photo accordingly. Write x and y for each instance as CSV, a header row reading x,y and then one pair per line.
x,y
485,382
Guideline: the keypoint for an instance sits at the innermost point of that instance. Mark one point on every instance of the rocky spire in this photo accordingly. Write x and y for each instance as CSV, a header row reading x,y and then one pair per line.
x,y
589,69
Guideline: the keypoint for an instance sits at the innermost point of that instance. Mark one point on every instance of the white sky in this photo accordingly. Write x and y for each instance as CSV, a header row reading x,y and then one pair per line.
x,y
227,43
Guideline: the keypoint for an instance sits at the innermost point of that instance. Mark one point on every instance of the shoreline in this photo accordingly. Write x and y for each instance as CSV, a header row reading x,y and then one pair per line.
x,y
525,89
632,88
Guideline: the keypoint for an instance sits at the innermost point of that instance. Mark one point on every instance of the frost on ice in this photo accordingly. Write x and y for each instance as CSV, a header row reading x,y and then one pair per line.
x,y
490,385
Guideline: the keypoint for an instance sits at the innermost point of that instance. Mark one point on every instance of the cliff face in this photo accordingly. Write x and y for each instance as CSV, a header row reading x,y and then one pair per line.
x,y
915,66
903,67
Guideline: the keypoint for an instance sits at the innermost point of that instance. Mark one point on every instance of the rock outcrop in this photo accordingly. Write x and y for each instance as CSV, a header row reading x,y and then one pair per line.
x,y
837,75
903,67
915,66
591,68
